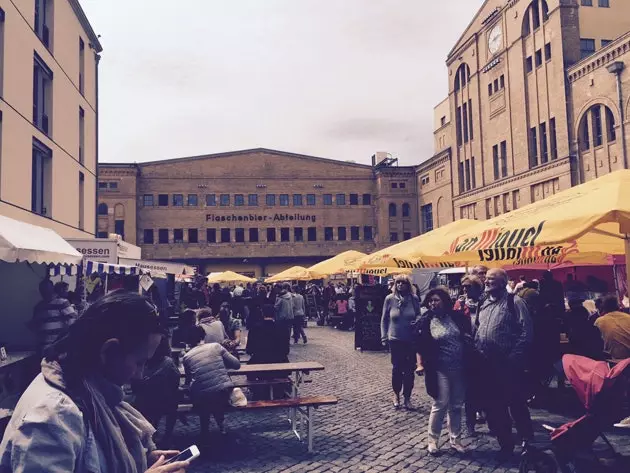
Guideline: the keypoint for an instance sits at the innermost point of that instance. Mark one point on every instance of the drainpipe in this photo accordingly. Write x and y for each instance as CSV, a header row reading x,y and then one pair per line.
x,y
97,58
617,68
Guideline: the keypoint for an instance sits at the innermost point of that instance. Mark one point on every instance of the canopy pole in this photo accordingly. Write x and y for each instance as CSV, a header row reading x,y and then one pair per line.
x,y
626,241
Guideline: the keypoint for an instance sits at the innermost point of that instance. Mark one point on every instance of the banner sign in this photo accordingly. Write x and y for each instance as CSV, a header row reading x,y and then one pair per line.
x,y
100,250
276,217
159,266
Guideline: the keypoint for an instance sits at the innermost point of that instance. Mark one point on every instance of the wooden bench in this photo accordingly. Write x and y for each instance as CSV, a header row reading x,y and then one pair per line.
x,y
304,405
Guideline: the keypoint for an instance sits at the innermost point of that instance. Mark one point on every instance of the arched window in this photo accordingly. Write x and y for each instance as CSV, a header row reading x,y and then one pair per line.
x,y
102,209
392,210
462,76
536,14
597,120
406,210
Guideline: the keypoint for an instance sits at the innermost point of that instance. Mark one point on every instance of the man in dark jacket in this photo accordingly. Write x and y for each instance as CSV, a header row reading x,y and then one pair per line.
x,y
284,310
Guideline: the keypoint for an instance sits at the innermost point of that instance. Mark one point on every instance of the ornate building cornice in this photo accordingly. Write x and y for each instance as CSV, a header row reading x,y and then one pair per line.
x,y
600,59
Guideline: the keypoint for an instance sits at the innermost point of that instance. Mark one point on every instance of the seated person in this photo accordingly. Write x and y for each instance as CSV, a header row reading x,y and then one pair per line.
x,y
212,327
614,326
266,343
206,367
187,321
160,376
584,337
232,328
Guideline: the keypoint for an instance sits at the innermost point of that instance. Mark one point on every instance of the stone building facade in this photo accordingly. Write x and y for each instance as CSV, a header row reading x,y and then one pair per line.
x,y
256,211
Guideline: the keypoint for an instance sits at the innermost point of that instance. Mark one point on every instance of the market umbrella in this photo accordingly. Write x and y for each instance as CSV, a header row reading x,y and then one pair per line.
x,y
582,225
296,273
228,277
343,262
418,252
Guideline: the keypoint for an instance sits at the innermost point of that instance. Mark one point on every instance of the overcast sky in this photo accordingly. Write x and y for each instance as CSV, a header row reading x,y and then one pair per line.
x,y
339,79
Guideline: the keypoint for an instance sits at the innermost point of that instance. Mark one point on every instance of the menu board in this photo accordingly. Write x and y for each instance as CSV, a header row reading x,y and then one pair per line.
x,y
369,306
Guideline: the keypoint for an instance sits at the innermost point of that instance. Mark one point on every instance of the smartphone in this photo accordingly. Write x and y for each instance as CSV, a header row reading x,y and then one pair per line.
x,y
189,454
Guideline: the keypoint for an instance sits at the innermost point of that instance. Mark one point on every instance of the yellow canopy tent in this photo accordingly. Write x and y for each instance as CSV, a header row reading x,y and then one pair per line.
x,y
296,273
343,262
418,252
582,225
229,277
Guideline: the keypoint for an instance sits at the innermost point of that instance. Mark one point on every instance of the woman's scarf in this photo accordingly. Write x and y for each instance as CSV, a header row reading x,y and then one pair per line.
x,y
122,433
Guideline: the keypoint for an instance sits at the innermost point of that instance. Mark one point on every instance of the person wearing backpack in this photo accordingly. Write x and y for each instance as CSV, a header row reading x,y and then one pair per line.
x,y
503,336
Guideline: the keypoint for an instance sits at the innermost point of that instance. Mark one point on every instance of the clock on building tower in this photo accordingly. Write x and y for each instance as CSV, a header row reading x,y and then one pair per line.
x,y
495,39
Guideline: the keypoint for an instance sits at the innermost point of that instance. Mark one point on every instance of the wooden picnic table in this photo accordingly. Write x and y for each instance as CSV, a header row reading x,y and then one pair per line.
x,y
298,367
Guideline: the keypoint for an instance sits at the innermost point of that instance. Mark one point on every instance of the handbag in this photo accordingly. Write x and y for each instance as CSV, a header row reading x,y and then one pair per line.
x,y
237,398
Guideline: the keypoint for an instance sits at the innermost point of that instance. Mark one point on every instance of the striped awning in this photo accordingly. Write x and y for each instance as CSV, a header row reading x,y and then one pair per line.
x,y
109,268
62,270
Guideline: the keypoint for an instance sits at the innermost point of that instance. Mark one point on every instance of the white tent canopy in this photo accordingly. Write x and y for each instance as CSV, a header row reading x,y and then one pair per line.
x,y
21,241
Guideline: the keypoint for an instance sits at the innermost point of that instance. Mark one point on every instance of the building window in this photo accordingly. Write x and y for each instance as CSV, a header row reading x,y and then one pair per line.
x,y
328,199
544,150
298,234
393,236
163,200
178,235
553,144
328,233
81,135
224,200
211,235
606,42
41,183
597,126
354,199
392,210
367,233
239,235
193,235
603,3
341,199
252,200
297,200
312,233
427,217
270,200
285,234
310,199
148,237
178,200
548,52
341,233
460,178
490,89
503,158
253,235
424,180
529,65
465,121
43,20
538,58
42,95
284,200
102,208
587,3
147,200
442,121
495,161
211,200
367,199
502,82
394,185
239,200
225,235
406,236
587,47
113,185
458,125
470,120
467,173
81,66
271,234
102,185
402,185
462,76
533,147
406,210
163,236
354,233
472,172
192,200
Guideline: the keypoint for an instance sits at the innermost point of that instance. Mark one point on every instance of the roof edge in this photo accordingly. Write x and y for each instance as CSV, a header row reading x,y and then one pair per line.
x,y
78,10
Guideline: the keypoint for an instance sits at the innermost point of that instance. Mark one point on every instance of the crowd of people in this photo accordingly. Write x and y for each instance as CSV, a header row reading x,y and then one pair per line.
x,y
493,351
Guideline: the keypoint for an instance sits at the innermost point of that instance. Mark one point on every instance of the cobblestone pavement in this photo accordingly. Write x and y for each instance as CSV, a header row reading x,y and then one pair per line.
x,y
362,433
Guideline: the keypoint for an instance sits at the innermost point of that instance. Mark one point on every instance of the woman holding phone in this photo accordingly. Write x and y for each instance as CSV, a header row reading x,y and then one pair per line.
x,y
72,417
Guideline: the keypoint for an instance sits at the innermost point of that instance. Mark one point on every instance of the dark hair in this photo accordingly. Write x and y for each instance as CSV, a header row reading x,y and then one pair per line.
x,y
203,313
443,294
268,311
122,315
163,350
195,335
610,303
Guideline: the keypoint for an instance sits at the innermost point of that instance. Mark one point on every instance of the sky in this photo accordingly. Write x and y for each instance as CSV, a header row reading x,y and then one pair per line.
x,y
339,79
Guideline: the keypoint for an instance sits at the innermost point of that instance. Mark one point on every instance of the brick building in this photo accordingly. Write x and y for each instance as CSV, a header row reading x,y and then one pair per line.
x,y
257,211
533,105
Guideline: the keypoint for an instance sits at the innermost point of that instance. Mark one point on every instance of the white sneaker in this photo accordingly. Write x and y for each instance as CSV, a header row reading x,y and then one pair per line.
x,y
623,424
432,446
456,444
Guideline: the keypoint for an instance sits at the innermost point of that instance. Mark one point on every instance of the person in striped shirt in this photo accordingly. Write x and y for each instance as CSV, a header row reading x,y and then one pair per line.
x,y
53,315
